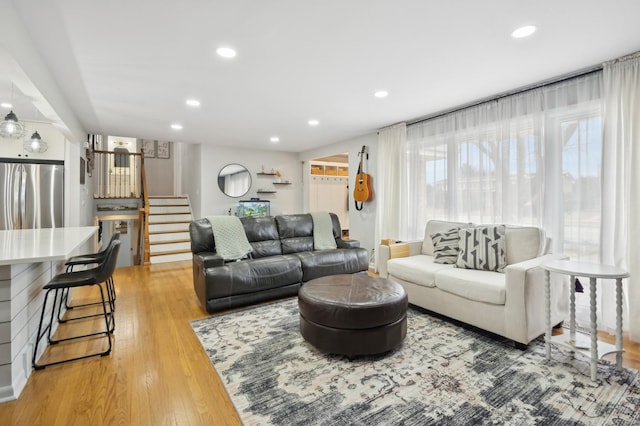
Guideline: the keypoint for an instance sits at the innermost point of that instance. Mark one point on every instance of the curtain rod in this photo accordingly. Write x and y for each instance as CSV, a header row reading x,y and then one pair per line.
x,y
543,83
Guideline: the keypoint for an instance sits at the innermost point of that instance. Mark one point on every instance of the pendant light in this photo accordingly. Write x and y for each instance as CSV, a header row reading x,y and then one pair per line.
x,y
35,144
10,127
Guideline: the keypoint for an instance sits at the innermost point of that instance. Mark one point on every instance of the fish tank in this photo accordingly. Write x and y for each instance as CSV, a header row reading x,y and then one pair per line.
x,y
254,208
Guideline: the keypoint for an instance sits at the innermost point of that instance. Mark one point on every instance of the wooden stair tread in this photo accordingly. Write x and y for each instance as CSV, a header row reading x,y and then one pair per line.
x,y
167,223
169,242
168,197
164,253
173,231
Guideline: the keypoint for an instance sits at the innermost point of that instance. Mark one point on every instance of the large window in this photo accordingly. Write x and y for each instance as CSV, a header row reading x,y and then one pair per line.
x,y
581,189
532,158
529,159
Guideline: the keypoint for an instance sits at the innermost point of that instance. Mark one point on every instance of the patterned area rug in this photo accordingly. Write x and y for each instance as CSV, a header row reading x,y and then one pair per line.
x,y
442,374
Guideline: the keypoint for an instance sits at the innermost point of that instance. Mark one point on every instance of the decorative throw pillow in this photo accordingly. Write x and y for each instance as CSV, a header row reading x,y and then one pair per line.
x,y
482,247
445,246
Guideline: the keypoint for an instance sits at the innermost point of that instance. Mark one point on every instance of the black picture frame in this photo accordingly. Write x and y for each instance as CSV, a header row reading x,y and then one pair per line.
x,y
82,171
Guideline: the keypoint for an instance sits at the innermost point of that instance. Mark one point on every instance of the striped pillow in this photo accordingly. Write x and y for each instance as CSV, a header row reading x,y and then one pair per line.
x,y
483,247
445,246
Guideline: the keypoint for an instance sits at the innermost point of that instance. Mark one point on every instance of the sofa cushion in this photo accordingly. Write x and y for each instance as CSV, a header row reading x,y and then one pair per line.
x,y
483,247
524,243
446,246
320,263
248,276
262,234
434,226
482,286
420,269
294,225
296,232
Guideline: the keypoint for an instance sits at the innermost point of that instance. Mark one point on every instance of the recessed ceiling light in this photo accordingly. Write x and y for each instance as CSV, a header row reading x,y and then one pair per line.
x,y
313,122
226,52
176,126
274,139
381,94
6,105
522,32
193,102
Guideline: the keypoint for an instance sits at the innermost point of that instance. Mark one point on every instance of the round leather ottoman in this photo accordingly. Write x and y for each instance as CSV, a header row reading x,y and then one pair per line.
x,y
353,314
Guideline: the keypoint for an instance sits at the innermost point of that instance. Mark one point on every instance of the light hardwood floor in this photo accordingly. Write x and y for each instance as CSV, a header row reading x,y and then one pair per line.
x,y
157,373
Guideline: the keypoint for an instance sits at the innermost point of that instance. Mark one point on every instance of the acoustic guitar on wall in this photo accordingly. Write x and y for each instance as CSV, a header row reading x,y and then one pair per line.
x,y
363,190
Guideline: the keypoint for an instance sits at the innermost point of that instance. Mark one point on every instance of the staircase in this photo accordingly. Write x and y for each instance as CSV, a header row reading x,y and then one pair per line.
x,y
169,219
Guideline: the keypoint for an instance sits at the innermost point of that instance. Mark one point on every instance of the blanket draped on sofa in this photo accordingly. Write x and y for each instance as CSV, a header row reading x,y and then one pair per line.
x,y
231,240
323,238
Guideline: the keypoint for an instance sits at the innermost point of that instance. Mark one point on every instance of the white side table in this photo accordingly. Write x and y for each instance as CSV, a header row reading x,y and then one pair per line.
x,y
579,342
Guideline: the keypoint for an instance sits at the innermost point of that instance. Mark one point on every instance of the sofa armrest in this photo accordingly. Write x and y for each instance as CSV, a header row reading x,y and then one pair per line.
x,y
415,247
525,294
201,262
384,254
347,243
208,259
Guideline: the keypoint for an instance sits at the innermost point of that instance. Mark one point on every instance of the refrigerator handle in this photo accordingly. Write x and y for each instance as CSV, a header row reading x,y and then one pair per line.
x,y
18,198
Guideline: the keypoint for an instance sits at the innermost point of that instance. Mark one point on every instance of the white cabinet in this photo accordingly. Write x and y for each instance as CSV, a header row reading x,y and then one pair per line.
x,y
330,193
12,148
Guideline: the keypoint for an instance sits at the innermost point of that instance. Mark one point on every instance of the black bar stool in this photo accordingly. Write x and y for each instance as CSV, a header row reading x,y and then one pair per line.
x,y
60,283
91,259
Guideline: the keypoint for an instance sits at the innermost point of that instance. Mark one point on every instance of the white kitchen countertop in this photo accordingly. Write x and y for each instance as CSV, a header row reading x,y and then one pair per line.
x,y
42,245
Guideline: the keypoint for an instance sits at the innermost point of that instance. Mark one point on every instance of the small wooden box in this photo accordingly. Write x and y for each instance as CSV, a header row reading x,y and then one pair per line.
x,y
398,250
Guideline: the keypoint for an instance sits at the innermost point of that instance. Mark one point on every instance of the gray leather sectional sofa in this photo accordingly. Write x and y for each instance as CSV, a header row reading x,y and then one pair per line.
x,y
283,258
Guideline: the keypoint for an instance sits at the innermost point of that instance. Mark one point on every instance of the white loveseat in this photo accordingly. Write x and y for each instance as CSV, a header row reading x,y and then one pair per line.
x,y
509,303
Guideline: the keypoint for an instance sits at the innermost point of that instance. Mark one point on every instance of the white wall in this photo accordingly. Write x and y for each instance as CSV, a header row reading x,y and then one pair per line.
x,y
27,69
189,175
78,205
159,172
212,159
361,223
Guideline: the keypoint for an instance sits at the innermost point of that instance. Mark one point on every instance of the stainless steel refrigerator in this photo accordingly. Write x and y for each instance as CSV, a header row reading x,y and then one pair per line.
x,y
31,194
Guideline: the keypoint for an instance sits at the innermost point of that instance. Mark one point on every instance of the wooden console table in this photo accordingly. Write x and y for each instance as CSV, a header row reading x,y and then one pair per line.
x,y
579,342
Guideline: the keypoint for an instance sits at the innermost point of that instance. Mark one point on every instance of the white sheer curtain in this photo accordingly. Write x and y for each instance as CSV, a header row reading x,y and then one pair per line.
x,y
621,180
390,142
534,158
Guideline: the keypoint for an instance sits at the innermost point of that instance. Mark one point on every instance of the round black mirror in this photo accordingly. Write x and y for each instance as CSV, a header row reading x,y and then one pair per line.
x,y
234,180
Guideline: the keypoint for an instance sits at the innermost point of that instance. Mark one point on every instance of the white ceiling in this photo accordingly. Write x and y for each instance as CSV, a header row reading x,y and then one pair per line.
x,y
126,67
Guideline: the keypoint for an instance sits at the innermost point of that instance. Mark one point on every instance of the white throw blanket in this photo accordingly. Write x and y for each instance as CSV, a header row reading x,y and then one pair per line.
x,y
230,239
322,231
